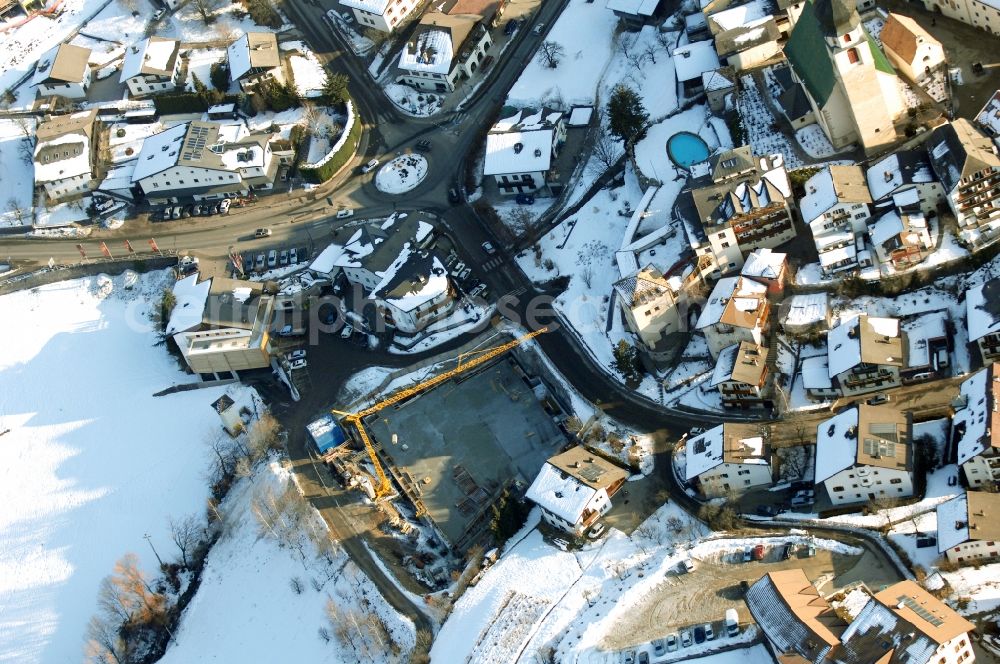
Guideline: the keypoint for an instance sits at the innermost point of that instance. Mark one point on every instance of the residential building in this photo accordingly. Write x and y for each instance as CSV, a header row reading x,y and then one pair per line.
x,y
254,57
574,489
736,311
982,307
792,99
741,376
901,623
864,453
443,49
767,267
221,325
850,84
64,71
728,458
650,304
982,14
690,62
151,66
901,240
491,11
64,154
906,174
837,207
414,291
520,150
910,48
968,527
381,15
865,354
975,428
740,205
989,118
206,160
967,165
633,13
745,35
927,341
718,85
816,379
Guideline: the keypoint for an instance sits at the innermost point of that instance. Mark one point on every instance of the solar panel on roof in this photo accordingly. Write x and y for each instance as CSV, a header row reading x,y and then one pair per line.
x,y
910,603
591,473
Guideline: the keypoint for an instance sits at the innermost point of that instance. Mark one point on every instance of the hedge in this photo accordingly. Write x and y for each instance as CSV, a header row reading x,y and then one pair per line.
x,y
343,155
186,102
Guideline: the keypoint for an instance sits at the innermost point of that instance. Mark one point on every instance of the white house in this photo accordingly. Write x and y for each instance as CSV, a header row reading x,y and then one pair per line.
x,y
863,454
633,13
901,240
691,61
650,304
837,207
975,428
816,379
982,14
741,376
865,354
910,48
969,527
63,71
905,172
520,150
151,66
414,290
737,310
64,154
745,35
253,58
443,49
381,15
801,314
728,458
982,306
574,489
989,118
203,161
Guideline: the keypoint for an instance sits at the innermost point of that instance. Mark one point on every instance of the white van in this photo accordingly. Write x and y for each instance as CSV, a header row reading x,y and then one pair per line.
x,y
732,622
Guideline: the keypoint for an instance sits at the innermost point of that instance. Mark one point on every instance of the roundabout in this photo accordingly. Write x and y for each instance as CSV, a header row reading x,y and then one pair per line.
x,y
402,174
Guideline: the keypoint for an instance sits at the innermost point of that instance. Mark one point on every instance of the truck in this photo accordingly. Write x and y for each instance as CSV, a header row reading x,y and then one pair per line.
x,y
326,434
732,622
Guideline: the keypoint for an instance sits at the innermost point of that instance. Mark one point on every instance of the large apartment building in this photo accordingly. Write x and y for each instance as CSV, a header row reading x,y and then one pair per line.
x,y
975,428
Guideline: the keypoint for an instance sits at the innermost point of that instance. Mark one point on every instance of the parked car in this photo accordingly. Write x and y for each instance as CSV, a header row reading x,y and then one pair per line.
x,y
297,364
595,531
465,274
767,510
345,213
659,647
457,270
628,657
293,256
732,622
510,28
283,260
643,657
803,501
539,28
686,639
370,166
488,248
786,551
671,642
347,331
285,331
758,552
272,259
259,264
158,14
748,554
296,355
478,290
176,212
563,545
877,399
224,206
709,632
524,199
687,565
699,634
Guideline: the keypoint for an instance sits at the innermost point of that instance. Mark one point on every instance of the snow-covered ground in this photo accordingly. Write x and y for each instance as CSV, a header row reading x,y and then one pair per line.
x,y
757,120
17,183
264,599
413,102
643,63
306,69
814,141
401,174
200,63
584,31
93,461
187,25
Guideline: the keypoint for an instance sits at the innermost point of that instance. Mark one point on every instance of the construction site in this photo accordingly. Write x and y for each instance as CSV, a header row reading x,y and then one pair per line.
x,y
453,444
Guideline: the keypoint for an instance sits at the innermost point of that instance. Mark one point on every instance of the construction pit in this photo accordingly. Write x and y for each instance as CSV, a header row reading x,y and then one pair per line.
x,y
455,448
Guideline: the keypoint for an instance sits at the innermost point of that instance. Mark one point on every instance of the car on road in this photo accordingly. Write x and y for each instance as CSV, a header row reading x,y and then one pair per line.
x,y
539,28
686,639
709,632
424,146
758,552
453,196
465,274
659,647
699,634
671,642
457,270
259,264
786,551
345,213
524,199
272,258
370,166
595,531
293,256
748,554
297,364
643,657
296,355
489,248
687,565
283,260
158,14
478,291
347,331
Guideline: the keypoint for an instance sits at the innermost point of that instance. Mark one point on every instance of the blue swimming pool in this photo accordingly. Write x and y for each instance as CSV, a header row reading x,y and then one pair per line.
x,y
686,149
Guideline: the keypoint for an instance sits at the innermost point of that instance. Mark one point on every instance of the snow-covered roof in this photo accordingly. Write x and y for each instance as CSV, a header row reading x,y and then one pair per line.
x,y
835,449
704,452
974,423
716,305
635,7
833,184
580,116
764,264
190,297
899,169
816,373
159,152
888,226
836,257
66,63
805,310
693,60
983,309
152,56
734,301
864,338
989,116
743,15
372,6
63,147
119,178
714,80
254,50
732,442
430,50
412,280
518,152
952,522
921,329
560,493
327,259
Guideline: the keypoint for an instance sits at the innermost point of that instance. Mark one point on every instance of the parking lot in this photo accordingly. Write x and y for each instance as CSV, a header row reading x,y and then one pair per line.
x,y
682,601
260,260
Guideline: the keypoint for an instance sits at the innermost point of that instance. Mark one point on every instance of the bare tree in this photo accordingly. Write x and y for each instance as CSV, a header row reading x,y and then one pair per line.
x,y
520,220
15,208
264,436
206,9
551,53
187,534
104,644
605,154
296,585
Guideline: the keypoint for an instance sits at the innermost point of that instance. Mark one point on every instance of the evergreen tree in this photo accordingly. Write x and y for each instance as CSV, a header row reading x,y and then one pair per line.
x,y
627,117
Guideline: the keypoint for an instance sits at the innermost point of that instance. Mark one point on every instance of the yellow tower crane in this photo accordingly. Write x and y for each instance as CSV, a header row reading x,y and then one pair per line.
x,y
478,358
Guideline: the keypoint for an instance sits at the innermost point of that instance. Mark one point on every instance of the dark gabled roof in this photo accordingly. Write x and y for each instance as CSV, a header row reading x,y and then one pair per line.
x,y
744,38
837,17
731,162
807,54
794,103
957,150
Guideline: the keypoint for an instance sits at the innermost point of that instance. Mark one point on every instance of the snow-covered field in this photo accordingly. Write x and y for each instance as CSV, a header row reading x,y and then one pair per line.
x,y
93,461
200,64
263,599
186,24
414,102
306,69
401,174
584,31
17,182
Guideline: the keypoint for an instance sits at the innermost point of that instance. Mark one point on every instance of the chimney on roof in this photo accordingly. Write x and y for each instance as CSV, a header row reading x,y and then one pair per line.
x,y
888,176
959,525
575,464
518,147
135,49
852,432
812,189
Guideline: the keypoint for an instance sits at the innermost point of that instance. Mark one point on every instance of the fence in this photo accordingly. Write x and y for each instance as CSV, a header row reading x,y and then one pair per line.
x,y
114,266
